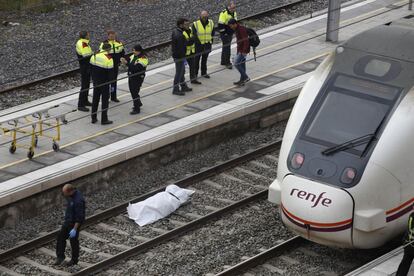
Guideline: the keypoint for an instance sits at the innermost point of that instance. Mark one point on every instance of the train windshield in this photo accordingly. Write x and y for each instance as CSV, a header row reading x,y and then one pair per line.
x,y
350,108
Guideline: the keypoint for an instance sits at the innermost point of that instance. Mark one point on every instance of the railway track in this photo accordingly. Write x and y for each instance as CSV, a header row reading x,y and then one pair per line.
x,y
158,46
109,237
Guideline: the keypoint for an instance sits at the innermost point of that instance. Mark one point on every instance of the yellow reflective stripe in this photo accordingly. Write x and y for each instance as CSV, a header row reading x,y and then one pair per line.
x,y
83,51
116,47
142,60
191,48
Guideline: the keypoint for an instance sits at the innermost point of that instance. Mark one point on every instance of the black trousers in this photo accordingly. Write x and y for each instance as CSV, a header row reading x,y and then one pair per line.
x,y
98,92
191,63
202,52
179,79
405,264
135,84
61,243
114,84
85,71
226,50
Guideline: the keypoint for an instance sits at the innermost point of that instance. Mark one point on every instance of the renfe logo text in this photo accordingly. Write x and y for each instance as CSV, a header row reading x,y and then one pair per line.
x,y
311,197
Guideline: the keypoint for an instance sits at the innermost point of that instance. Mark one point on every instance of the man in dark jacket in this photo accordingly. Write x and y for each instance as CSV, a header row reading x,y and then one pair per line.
x,y
74,217
226,33
178,47
405,264
137,64
243,48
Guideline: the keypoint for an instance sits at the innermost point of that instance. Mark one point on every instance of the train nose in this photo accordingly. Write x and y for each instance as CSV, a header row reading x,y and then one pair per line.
x,y
318,212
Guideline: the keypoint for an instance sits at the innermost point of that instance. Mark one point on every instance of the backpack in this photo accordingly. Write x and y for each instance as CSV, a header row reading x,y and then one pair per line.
x,y
254,40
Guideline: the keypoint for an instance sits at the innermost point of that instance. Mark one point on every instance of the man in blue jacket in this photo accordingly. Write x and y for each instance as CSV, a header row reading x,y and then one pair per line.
x,y
74,217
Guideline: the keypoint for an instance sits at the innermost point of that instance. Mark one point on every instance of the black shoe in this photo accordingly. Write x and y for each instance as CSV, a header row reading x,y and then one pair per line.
x,y
58,261
240,82
229,66
94,120
186,89
179,93
88,104
195,82
207,76
115,100
246,80
107,122
71,263
135,111
82,108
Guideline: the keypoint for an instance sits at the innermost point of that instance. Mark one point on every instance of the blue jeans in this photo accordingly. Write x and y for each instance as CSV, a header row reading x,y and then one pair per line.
x,y
240,64
179,79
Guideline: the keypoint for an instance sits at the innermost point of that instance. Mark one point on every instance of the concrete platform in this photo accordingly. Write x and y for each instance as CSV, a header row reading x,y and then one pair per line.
x,y
287,56
385,265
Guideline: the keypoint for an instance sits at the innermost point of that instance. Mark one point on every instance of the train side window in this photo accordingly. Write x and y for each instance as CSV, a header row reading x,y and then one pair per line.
x,y
378,68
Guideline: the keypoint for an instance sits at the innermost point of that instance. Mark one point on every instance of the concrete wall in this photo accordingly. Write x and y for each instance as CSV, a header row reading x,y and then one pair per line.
x,y
42,202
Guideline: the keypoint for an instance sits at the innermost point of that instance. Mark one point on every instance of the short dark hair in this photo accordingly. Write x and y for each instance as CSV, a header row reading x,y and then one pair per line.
x,y
181,21
83,34
232,21
138,48
106,47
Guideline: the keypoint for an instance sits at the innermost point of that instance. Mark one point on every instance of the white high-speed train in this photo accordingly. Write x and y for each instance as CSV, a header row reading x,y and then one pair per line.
x,y
346,165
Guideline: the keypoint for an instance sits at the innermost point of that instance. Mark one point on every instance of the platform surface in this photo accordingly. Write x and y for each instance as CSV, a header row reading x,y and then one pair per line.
x,y
286,57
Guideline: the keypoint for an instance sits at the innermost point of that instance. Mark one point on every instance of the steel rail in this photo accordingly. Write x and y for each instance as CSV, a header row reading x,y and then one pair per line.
x,y
261,258
148,49
120,208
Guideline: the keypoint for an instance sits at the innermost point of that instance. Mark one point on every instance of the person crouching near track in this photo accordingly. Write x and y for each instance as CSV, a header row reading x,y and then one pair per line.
x,y
243,48
137,64
74,218
102,68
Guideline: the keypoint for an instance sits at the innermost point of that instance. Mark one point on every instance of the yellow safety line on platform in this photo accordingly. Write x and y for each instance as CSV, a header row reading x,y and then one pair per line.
x,y
163,111
208,95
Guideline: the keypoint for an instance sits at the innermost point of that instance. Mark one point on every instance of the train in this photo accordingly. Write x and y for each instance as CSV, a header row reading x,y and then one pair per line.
x,y
346,165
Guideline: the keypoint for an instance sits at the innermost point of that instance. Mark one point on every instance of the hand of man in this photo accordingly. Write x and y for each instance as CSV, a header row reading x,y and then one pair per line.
x,y
123,60
72,233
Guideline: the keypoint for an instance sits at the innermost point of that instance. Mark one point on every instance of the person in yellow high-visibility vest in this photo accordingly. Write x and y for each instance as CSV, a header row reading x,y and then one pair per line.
x,y
203,30
190,51
84,53
226,33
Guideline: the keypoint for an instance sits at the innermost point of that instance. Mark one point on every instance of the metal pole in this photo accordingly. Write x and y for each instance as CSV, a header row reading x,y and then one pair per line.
x,y
332,27
410,5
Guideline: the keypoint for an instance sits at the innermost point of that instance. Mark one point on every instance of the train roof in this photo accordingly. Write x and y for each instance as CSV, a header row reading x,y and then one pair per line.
x,y
390,41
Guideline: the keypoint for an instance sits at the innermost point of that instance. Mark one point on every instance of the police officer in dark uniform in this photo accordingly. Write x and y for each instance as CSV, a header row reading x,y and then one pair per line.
x,y
137,65
84,53
405,264
74,217
226,33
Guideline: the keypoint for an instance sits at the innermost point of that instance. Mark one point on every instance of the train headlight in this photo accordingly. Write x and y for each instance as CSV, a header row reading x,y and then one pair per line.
x,y
297,160
348,175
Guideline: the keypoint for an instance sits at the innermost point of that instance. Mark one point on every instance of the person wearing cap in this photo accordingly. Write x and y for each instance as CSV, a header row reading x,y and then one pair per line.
x,y
243,48
226,33
84,53
102,67
203,30
117,51
408,257
137,64
178,51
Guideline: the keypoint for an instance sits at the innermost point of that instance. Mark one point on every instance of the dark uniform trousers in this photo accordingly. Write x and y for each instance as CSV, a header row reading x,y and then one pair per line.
x,y
85,71
191,64
135,84
406,261
225,53
98,92
202,52
114,83
61,242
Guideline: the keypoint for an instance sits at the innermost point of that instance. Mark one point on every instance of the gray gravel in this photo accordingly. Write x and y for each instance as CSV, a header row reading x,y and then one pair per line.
x,y
143,183
20,37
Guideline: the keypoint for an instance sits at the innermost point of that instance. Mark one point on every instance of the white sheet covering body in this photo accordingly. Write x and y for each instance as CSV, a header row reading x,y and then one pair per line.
x,y
158,206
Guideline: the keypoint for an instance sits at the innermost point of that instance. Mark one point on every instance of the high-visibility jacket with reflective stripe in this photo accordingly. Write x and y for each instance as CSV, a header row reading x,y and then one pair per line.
x,y
102,60
137,65
190,49
116,46
83,49
225,16
410,230
204,34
